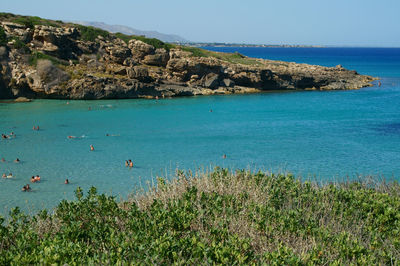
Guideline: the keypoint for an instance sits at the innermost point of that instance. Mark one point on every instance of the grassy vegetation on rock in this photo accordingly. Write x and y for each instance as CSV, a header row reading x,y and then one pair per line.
x,y
89,33
156,43
229,57
220,217
35,56
29,21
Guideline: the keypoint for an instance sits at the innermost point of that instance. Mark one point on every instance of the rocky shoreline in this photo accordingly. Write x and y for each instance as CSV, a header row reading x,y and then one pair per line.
x,y
60,62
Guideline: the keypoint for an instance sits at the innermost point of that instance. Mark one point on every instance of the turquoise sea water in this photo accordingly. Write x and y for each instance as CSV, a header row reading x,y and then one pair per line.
x,y
322,135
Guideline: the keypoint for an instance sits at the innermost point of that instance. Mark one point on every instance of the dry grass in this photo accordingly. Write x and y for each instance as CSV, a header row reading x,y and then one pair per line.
x,y
319,208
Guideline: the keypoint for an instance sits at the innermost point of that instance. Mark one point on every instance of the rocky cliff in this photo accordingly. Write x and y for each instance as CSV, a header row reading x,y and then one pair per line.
x,y
50,59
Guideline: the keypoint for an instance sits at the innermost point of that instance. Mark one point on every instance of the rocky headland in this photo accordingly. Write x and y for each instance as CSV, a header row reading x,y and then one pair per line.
x,y
50,59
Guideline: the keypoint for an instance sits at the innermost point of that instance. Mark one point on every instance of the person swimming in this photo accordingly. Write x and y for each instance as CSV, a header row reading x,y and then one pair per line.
x,y
66,181
17,160
4,176
91,147
37,178
224,156
3,160
4,136
26,188
33,180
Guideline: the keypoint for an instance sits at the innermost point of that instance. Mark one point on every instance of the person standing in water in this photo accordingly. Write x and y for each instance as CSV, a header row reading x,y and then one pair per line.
x,y
91,147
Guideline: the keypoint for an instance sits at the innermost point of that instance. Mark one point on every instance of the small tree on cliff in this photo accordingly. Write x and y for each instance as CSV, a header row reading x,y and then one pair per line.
x,y
3,37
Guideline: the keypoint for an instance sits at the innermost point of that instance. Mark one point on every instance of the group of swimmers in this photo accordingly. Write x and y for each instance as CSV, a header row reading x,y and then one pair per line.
x,y
10,175
4,136
35,179
26,188
129,163
15,161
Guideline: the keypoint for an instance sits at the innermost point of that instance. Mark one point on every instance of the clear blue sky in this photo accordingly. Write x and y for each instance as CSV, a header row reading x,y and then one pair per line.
x,y
326,22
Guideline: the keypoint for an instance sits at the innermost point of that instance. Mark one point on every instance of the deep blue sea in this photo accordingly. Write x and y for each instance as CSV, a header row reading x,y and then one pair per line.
x,y
324,136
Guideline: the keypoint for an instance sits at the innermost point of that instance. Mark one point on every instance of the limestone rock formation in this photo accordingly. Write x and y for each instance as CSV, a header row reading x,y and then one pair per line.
x,y
47,61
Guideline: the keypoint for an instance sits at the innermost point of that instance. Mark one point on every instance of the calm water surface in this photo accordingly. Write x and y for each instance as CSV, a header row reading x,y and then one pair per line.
x,y
322,135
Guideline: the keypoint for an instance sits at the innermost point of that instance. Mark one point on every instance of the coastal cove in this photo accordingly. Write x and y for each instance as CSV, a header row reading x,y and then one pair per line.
x,y
324,136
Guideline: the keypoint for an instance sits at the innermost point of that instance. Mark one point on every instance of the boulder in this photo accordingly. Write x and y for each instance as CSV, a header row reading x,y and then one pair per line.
x,y
211,81
49,48
160,58
228,83
178,53
22,100
118,54
177,65
140,49
139,72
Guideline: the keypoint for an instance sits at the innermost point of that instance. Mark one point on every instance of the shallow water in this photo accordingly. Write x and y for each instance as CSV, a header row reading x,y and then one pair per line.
x,y
323,135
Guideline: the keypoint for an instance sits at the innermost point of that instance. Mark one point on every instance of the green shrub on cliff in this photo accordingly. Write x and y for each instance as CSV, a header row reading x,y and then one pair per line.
x,y
156,43
216,218
89,33
3,37
235,58
20,45
30,22
196,52
35,56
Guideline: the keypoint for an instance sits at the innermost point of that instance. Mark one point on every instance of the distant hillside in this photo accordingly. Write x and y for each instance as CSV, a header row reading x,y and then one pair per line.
x,y
131,31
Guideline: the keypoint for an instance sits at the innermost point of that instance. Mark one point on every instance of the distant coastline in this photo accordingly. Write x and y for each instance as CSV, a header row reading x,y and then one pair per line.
x,y
214,44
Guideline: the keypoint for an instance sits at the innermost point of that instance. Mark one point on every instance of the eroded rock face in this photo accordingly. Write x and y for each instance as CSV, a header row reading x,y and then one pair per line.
x,y
47,77
59,42
110,68
160,58
140,49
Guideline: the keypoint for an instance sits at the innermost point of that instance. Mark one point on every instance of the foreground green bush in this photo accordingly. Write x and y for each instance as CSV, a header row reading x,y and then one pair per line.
x,y
221,217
